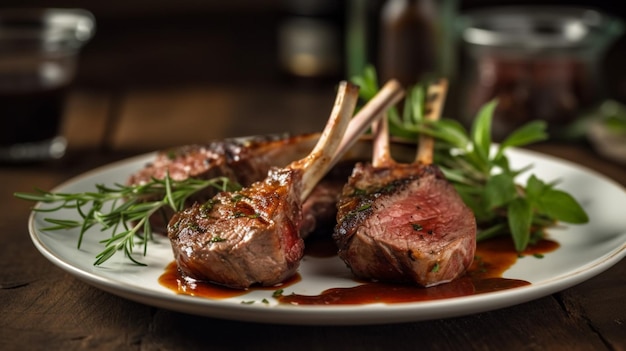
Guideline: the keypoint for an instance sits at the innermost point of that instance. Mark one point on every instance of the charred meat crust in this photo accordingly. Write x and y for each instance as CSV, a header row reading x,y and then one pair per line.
x,y
244,160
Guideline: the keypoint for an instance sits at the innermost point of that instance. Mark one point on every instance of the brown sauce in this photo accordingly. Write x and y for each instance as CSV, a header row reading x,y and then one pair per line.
x,y
493,257
174,280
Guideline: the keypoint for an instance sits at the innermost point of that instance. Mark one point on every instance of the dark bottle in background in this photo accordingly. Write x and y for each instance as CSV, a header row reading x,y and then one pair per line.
x,y
329,40
407,48
409,40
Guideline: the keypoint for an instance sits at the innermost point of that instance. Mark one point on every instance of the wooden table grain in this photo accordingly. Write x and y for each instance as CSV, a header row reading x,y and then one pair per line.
x,y
163,74
44,307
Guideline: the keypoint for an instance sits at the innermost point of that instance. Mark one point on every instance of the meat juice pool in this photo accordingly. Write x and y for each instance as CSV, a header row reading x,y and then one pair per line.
x,y
493,257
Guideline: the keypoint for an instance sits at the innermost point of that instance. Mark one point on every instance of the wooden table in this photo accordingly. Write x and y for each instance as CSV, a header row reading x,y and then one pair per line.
x,y
130,102
44,307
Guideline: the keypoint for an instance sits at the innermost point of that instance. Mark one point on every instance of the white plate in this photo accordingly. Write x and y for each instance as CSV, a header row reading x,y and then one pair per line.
x,y
585,251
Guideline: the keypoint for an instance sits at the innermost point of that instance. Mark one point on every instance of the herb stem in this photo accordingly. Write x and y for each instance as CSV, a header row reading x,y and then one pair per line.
x,y
124,210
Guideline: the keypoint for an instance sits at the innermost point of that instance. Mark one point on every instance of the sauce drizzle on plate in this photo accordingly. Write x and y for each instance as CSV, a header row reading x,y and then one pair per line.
x,y
493,257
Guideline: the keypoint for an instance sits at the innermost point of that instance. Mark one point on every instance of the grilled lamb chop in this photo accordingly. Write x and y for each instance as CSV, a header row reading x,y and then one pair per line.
x,y
242,160
404,222
252,236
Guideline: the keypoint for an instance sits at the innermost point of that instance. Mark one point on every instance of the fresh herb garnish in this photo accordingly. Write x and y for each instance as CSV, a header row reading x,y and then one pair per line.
x,y
240,214
124,209
435,268
216,239
479,168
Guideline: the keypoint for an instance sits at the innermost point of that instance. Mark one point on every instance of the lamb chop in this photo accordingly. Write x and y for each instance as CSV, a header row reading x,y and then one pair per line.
x,y
242,160
250,237
404,222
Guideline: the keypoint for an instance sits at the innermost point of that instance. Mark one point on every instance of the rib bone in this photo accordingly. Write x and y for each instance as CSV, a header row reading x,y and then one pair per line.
x,y
334,143
435,99
318,162
390,94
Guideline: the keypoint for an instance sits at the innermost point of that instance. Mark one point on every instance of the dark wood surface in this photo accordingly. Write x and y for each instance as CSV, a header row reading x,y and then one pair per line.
x,y
115,115
43,307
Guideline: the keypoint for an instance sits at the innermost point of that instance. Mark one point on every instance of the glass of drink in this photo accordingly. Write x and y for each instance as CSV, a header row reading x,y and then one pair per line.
x,y
38,56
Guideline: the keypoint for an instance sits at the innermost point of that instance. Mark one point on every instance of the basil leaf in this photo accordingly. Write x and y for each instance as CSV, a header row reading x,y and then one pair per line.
x,y
481,131
554,203
562,206
452,132
535,189
520,218
529,133
499,190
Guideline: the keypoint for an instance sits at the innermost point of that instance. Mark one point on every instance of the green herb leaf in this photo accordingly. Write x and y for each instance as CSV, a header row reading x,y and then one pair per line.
x,y
481,132
535,188
554,203
452,132
520,217
499,190
562,206
529,133
435,268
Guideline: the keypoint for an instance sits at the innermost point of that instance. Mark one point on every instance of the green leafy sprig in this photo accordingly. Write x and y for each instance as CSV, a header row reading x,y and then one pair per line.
x,y
124,209
480,170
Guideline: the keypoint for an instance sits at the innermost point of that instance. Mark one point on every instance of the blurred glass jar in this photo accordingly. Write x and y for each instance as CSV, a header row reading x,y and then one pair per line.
x,y
539,63
39,51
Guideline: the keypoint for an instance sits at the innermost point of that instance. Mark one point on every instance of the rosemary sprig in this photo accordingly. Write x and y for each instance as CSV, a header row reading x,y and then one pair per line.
x,y
123,209
482,176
